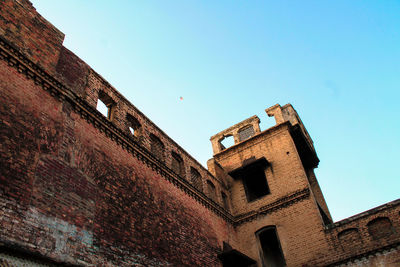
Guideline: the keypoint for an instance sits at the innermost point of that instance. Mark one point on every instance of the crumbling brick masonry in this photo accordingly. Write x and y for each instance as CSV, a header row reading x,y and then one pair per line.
x,y
79,188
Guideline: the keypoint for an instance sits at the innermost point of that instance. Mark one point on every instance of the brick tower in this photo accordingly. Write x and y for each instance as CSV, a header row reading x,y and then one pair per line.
x,y
280,210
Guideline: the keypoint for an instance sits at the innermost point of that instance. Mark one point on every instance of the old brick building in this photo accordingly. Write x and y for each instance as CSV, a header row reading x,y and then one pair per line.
x,y
78,188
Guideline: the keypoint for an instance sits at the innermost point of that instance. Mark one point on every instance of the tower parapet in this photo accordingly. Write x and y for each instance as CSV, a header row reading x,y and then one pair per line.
x,y
240,132
288,113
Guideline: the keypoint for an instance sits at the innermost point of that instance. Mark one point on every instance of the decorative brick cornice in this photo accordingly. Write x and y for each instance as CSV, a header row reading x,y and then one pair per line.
x,y
58,90
158,129
285,201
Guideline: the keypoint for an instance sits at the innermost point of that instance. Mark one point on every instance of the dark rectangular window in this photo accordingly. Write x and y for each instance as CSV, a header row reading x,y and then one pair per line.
x,y
252,174
255,182
272,255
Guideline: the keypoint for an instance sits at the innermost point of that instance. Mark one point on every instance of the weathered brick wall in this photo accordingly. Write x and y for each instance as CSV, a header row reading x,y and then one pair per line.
x,y
300,231
319,197
72,71
30,33
123,108
71,193
284,174
290,206
78,188
368,238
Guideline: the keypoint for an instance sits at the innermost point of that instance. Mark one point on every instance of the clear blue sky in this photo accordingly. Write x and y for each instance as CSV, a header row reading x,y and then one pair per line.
x,y
336,62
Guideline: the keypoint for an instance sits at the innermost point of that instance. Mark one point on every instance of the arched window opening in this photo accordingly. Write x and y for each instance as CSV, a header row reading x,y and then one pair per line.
x,y
102,108
196,179
271,251
211,190
225,200
105,105
177,164
156,147
380,227
133,125
226,142
246,133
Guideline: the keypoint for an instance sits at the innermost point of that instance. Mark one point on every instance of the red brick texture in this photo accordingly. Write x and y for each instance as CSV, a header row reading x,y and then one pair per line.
x,y
77,188
68,191
30,33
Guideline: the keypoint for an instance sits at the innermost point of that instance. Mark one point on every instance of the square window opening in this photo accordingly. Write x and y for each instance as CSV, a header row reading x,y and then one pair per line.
x,y
255,183
102,108
105,105
226,142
